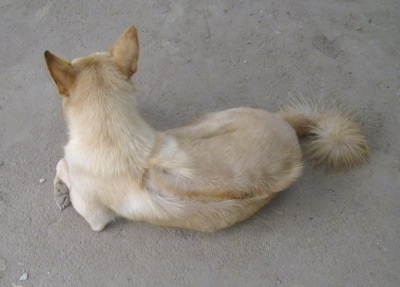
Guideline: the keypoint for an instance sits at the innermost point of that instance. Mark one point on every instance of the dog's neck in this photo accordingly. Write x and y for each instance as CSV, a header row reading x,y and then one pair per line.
x,y
108,136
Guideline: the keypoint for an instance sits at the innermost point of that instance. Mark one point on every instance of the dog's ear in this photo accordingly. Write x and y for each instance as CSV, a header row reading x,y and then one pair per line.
x,y
62,73
126,51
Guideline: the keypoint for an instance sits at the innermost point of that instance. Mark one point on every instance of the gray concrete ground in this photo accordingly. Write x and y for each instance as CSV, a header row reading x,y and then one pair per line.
x,y
329,229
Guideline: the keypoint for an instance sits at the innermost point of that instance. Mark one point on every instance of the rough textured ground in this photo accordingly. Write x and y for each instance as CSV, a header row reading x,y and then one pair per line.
x,y
329,229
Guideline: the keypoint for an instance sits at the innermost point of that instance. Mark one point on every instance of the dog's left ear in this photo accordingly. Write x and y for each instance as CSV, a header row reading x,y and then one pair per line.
x,y
62,73
126,51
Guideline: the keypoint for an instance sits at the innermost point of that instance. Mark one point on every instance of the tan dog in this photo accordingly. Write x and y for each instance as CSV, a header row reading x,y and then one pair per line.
x,y
209,175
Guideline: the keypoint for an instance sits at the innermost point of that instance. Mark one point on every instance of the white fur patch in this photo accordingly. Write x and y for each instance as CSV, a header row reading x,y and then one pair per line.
x,y
136,206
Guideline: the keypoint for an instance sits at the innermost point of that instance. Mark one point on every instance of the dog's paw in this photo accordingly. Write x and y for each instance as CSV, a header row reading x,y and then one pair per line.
x,y
61,195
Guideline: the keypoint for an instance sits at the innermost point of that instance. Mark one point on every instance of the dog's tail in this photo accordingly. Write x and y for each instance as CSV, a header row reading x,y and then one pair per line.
x,y
335,138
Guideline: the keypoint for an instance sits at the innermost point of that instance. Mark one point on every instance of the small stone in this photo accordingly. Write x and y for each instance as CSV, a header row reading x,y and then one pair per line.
x,y
42,180
24,277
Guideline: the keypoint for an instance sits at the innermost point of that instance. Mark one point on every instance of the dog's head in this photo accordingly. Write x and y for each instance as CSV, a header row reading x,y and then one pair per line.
x,y
119,63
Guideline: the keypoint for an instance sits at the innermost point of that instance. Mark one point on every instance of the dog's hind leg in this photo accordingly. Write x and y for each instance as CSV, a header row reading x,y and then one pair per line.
x,y
62,185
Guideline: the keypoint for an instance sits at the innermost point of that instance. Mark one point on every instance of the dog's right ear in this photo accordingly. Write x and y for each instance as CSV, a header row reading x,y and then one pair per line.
x,y
126,51
61,72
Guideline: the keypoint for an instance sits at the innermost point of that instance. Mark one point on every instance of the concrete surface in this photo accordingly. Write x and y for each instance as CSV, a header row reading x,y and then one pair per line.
x,y
329,229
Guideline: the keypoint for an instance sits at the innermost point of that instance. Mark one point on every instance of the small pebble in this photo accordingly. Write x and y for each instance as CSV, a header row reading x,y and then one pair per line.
x,y
24,277
42,180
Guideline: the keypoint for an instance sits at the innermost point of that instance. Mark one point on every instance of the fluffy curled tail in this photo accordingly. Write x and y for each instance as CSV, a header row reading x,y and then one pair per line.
x,y
335,138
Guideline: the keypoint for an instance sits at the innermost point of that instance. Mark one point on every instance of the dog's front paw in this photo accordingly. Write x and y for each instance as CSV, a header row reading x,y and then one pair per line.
x,y
61,194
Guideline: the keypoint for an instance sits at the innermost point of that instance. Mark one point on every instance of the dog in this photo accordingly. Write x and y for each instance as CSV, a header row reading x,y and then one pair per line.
x,y
206,176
